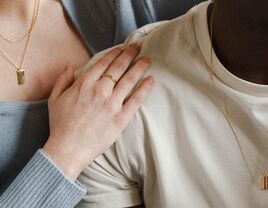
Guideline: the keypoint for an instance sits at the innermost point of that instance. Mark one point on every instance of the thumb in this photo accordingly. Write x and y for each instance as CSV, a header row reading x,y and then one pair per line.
x,y
62,83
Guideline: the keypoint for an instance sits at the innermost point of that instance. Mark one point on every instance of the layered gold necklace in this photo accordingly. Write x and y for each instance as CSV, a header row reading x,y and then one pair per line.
x,y
27,36
263,179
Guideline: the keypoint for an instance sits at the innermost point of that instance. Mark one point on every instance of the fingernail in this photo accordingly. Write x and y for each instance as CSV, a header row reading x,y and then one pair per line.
x,y
68,68
121,47
150,79
136,45
147,59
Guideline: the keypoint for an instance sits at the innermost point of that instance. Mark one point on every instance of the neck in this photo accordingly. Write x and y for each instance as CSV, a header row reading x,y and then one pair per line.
x,y
18,11
15,16
16,7
240,38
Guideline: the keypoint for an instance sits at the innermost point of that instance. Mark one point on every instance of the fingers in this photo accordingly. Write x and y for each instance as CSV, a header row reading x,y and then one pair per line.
x,y
114,64
122,63
103,64
62,83
118,68
130,79
137,98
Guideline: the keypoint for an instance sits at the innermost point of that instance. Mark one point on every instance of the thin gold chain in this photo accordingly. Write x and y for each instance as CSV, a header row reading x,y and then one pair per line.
x,y
35,16
224,111
36,13
13,40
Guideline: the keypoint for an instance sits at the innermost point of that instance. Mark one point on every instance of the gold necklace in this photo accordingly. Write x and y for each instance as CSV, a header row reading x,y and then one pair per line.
x,y
263,180
20,70
11,40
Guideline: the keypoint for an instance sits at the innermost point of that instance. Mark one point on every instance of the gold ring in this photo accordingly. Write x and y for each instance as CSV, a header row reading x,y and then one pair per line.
x,y
109,77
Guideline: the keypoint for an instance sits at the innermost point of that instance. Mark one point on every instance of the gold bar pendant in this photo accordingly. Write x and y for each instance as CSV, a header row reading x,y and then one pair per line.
x,y
263,182
21,76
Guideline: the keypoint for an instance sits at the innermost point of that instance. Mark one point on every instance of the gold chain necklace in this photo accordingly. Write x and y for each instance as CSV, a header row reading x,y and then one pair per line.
x,y
263,180
13,40
20,70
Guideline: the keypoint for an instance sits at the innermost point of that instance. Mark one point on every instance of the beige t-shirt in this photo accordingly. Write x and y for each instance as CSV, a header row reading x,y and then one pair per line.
x,y
179,151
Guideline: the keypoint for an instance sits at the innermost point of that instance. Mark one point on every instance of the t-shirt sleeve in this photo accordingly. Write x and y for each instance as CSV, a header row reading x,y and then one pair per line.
x,y
115,179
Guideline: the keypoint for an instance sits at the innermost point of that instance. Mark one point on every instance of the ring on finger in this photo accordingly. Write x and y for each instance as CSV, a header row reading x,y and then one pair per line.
x,y
110,77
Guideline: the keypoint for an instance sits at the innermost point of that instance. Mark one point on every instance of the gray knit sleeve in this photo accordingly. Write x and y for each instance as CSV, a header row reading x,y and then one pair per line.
x,y
42,184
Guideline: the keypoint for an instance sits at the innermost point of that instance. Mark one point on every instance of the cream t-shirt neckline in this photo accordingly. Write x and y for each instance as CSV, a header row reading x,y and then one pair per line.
x,y
204,41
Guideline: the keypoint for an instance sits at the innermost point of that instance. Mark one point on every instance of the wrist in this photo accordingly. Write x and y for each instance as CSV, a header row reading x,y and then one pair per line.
x,y
70,167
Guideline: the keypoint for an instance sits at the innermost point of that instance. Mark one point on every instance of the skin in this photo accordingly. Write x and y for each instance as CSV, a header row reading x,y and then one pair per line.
x,y
85,115
48,52
99,112
240,37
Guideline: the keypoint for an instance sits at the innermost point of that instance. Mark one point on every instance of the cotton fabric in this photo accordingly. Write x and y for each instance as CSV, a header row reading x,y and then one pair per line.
x,y
179,150
28,178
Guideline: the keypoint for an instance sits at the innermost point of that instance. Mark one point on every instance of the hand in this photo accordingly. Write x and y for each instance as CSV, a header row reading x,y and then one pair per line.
x,y
87,115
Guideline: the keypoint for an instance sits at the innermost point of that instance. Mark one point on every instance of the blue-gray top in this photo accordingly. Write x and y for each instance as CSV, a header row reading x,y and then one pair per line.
x,y
28,178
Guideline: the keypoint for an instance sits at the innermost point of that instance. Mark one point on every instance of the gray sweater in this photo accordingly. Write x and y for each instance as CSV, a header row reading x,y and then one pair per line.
x,y
28,177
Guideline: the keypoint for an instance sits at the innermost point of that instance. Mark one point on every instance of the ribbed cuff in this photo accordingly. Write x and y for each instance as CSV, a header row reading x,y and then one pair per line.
x,y
42,184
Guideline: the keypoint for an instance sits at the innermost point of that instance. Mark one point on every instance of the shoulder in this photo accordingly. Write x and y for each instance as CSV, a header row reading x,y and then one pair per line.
x,y
178,32
169,44
161,42
177,65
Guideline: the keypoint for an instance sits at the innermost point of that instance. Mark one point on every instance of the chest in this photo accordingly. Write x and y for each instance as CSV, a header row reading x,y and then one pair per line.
x,y
196,154
54,43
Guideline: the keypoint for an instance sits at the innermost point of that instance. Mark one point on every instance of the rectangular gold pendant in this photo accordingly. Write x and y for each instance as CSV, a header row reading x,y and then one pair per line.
x,y
263,182
21,76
